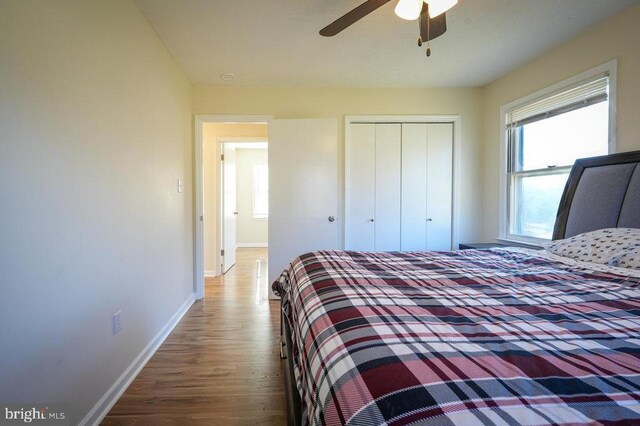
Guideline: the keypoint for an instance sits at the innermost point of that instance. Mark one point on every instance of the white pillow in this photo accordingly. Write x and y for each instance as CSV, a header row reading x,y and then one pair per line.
x,y
606,246
628,258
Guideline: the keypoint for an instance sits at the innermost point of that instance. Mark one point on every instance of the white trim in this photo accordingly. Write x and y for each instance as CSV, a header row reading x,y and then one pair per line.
x,y
248,245
111,396
609,67
457,181
456,120
235,119
252,144
520,243
244,140
613,104
209,274
198,210
349,119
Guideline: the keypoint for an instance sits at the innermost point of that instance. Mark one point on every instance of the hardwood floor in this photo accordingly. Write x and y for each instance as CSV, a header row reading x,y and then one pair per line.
x,y
221,364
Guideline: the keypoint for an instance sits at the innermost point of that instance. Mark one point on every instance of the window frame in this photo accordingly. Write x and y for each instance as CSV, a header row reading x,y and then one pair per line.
x,y
505,197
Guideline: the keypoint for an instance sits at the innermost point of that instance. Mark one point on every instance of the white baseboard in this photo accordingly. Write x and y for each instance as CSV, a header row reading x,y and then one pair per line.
x,y
109,399
243,245
211,273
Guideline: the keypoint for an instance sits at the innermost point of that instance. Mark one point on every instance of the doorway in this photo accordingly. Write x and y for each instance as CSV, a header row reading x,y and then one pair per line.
x,y
303,191
244,199
212,133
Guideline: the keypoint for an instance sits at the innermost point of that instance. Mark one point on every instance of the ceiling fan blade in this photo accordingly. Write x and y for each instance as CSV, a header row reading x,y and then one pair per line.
x,y
352,17
431,28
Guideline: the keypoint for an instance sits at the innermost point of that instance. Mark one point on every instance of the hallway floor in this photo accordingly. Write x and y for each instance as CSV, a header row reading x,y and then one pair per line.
x,y
220,365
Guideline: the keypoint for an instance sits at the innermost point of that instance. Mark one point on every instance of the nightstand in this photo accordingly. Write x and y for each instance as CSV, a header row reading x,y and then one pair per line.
x,y
478,246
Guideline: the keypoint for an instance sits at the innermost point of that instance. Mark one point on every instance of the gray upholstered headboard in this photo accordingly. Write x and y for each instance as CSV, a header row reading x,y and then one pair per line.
x,y
601,192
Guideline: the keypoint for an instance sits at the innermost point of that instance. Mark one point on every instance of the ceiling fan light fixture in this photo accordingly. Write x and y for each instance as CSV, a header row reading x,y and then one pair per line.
x,y
409,9
438,7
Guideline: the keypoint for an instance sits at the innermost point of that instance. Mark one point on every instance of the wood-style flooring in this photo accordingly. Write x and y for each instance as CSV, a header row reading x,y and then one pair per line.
x,y
220,365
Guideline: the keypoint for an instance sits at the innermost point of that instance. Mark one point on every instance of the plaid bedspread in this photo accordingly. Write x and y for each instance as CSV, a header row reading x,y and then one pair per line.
x,y
467,337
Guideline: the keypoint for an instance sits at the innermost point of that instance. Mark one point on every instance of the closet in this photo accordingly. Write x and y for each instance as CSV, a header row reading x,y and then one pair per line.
x,y
399,186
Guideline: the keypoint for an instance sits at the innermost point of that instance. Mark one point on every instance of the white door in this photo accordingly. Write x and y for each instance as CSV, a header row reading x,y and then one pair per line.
x,y
303,189
387,187
439,186
229,207
427,164
360,175
414,187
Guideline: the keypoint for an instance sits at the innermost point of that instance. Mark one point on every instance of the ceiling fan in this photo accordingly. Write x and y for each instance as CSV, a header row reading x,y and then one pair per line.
x,y
429,13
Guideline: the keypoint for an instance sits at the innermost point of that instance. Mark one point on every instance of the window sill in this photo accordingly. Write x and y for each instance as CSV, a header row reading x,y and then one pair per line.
x,y
519,243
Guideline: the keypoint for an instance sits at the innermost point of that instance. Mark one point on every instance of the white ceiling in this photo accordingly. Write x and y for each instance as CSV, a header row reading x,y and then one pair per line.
x,y
276,42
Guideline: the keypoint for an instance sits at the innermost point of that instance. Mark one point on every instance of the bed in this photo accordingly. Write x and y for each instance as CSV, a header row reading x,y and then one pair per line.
x,y
500,336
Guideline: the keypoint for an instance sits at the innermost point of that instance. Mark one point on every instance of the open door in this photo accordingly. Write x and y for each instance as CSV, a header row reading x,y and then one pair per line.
x,y
229,207
303,189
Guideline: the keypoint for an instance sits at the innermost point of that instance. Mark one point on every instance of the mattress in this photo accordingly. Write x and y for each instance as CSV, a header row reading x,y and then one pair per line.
x,y
462,337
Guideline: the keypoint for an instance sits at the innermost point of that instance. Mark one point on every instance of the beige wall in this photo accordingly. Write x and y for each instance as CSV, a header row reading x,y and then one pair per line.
x,y
211,133
327,103
617,37
96,129
249,230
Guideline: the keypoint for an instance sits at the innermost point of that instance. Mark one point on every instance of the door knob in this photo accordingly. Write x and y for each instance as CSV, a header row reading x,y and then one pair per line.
x,y
371,220
331,219
235,213
429,220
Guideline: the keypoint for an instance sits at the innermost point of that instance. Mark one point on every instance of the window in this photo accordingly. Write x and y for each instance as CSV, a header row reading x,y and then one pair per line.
x,y
544,137
260,191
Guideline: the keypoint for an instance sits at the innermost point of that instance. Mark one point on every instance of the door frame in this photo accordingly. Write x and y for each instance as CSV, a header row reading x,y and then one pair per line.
x,y
456,120
198,211
219,193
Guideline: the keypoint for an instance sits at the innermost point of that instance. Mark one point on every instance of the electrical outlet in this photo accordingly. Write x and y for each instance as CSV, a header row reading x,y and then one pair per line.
x,y
180,185
116,322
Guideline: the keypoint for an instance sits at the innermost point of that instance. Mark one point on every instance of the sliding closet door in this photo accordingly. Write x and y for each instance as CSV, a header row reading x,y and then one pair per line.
x,y
387,187
361,174
414,187
439,187
399,186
